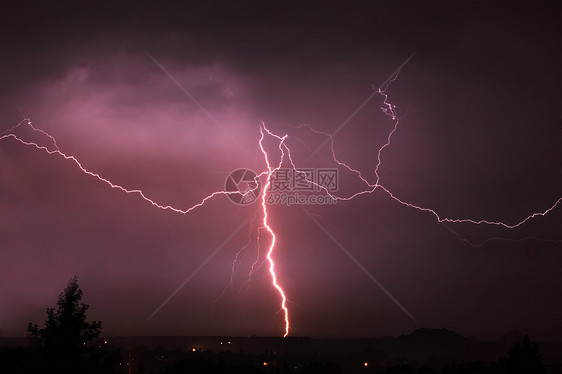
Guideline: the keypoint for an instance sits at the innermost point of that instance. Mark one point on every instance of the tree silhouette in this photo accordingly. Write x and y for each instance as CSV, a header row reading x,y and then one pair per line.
x,y
65,341
525,358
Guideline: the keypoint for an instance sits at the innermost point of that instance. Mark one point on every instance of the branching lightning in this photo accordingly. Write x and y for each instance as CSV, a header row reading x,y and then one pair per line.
x,y
235,262
139,192
270,172
270,168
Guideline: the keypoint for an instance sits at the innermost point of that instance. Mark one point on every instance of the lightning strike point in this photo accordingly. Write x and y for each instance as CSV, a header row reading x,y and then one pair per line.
x,y
285,155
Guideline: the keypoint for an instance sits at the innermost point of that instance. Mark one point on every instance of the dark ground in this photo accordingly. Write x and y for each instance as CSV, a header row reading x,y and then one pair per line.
x,y
423,351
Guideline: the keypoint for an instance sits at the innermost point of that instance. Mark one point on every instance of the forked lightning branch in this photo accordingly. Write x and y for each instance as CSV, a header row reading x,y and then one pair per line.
x,y
280,182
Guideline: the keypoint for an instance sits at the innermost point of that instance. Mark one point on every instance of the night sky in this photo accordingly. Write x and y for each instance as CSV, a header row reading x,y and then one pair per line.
x,y
480,137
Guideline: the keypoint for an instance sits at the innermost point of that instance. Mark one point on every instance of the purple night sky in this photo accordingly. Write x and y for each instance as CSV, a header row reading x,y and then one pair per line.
x,y
480,137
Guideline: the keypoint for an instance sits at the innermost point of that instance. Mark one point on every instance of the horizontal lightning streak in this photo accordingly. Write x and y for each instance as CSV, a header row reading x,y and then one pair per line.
x,y
57,151
469,220
499,238
371,187
387,108
116,186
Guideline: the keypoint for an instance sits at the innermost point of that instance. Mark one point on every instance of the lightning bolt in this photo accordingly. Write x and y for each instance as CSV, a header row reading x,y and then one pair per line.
x,y
270,172
285,156
389,110
57,151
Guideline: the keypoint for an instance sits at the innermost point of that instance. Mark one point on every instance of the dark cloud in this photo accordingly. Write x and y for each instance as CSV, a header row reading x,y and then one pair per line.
x,y
479,137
